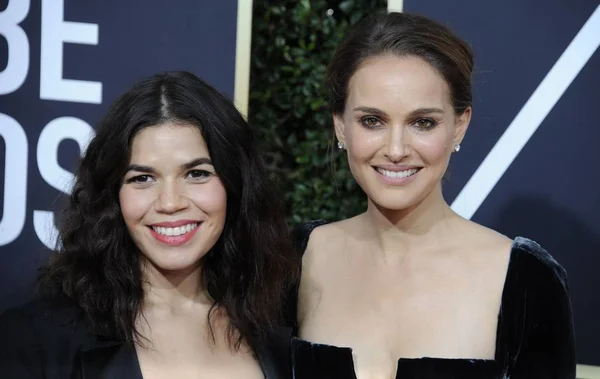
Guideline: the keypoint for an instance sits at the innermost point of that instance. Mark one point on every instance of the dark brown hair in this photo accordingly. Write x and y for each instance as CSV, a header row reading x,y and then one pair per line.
x,y
402,34
96,268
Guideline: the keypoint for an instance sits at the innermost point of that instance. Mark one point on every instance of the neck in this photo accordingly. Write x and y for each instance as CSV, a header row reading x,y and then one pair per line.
x,y
173,289
411,229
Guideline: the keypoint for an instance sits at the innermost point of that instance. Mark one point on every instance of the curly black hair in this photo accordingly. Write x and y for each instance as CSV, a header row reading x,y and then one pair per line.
x,y
97,266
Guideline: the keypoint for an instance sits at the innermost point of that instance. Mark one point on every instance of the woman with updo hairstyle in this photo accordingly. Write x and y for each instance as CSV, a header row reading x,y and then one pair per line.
x,y
174,258
409,289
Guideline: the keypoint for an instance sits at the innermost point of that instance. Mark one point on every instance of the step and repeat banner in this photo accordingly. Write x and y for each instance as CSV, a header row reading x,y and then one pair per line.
x,y
529,163
62,63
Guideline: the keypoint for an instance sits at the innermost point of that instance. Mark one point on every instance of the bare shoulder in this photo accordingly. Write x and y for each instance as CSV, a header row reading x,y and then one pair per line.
x,y
321,254
490,241
323,234
486,239
484,247
485,255
325,242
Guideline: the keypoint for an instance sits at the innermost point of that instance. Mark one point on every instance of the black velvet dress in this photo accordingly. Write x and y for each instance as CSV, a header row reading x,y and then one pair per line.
x,y
534,335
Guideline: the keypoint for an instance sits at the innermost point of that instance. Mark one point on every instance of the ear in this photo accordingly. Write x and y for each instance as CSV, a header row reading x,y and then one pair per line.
x,y
340,129
461,126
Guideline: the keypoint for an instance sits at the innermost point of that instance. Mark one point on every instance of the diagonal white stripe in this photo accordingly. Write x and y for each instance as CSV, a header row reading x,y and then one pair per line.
x,y
529,117
395,5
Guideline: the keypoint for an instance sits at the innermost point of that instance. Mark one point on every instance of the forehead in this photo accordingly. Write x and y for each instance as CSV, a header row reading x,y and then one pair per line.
x,y
390,81
168,141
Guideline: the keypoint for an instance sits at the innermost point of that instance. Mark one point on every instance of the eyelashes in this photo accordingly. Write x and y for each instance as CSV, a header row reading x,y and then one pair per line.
x,y
370,122
425,123
199,174
374,122
194,175
139,179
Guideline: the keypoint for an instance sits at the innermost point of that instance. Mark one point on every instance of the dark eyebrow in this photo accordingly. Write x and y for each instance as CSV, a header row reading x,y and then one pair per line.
x,y
413,114
185,166
196,162
140,168
371,110
424,111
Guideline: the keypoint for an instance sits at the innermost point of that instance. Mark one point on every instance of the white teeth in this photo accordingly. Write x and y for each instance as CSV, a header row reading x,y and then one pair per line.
x,y
177,231
397,174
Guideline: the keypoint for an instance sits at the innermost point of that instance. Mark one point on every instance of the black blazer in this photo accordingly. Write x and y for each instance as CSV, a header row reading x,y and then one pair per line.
x,y
39,341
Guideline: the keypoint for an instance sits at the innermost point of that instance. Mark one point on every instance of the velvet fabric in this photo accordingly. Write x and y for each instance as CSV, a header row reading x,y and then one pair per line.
x,y
534,338
39,341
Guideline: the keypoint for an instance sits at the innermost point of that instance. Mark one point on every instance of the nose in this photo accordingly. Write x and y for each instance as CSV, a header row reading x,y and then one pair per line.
x,y
396,148
171,199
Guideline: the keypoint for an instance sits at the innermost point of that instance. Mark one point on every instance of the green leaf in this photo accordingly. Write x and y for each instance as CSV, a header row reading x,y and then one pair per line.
x,y
291,47
346,6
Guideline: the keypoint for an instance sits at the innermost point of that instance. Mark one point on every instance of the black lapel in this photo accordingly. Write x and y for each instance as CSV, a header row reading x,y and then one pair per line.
x,y
108,360
274,356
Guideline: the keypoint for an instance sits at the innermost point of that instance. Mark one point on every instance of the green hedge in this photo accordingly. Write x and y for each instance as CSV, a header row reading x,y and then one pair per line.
x,y
292,42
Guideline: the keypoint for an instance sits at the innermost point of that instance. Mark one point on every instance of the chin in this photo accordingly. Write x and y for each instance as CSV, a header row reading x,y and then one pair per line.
x,y
397,199
401,197
391,205
175,266
174,261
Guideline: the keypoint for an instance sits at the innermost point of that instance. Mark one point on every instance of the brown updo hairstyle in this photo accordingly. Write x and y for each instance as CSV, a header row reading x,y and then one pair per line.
x,y
402,34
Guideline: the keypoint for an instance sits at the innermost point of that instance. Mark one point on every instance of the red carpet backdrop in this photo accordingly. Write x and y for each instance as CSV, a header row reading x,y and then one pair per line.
x,y
528,165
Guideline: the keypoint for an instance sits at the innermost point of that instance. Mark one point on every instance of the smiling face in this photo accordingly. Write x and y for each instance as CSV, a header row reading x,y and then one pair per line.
x,y
399,128
172,200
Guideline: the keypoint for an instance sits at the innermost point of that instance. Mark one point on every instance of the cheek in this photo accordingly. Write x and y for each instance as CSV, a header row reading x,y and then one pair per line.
x,y
363,144
134,204
434,147
211,198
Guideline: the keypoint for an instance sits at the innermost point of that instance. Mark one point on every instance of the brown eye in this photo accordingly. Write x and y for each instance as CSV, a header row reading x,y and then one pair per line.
x,y
140,179
199,174
370,122
425,123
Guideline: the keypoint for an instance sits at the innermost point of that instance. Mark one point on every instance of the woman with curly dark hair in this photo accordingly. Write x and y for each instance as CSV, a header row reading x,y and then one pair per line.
x,y
173,257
